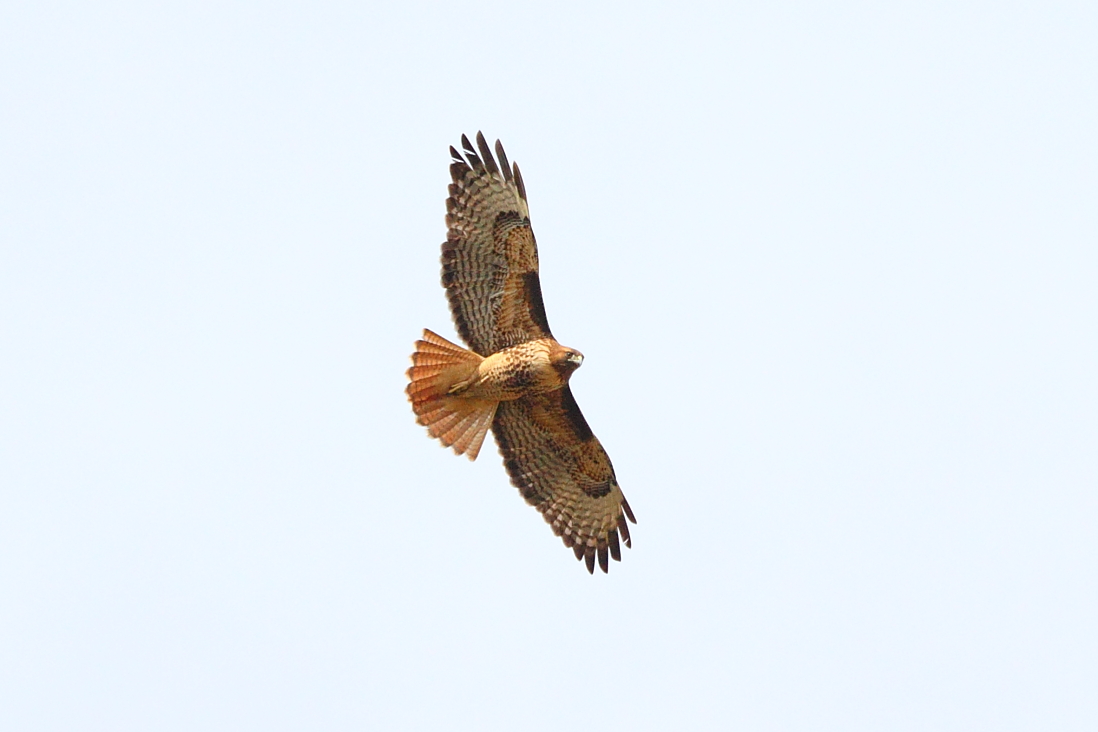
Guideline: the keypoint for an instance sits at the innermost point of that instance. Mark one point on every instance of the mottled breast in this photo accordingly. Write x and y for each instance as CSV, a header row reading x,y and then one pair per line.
x,y
519,370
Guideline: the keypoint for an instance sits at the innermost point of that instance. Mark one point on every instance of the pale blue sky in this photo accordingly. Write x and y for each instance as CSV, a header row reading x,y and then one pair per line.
x,y
833,267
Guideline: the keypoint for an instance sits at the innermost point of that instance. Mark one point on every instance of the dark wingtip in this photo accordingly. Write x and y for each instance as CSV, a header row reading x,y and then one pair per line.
x,y
589,557
604,560
486,154
615,547
474,161
518,182
505,167
623,528
628,511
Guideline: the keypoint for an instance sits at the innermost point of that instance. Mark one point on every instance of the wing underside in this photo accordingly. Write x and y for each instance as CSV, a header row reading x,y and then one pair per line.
x,y
490,258
561,468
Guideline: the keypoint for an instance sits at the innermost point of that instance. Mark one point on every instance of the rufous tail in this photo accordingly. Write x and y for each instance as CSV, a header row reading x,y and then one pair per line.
x,y
439,370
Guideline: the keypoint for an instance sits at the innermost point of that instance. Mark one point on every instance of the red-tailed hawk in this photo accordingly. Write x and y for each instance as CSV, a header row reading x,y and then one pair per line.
x,y
515,377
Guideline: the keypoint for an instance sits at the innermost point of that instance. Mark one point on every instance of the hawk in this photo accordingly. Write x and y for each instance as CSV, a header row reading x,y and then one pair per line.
x,y
513,377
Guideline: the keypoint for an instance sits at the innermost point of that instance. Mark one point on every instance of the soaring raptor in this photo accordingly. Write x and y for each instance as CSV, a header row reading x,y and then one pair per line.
x,y
514,375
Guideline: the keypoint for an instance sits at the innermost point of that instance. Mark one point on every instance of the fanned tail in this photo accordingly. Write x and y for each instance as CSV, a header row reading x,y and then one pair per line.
x,y
439,368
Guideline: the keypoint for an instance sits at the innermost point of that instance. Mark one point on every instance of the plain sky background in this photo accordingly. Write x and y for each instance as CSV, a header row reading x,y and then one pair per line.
x,y
833,267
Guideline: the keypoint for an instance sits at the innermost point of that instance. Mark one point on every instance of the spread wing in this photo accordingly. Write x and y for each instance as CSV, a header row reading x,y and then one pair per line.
x,y
490,258
561,468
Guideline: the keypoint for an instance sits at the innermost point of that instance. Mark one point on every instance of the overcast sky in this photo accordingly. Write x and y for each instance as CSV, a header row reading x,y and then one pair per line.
x,y
834,269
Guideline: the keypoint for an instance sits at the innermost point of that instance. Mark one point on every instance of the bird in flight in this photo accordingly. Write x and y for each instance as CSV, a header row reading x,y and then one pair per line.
x,y
513,377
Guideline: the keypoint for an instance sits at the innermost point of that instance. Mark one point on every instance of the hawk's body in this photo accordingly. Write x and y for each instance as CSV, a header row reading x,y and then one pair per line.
x,y
515,377
528,368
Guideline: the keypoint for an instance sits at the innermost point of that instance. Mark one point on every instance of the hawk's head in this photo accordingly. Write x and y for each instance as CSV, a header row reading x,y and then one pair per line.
x,y
565,361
